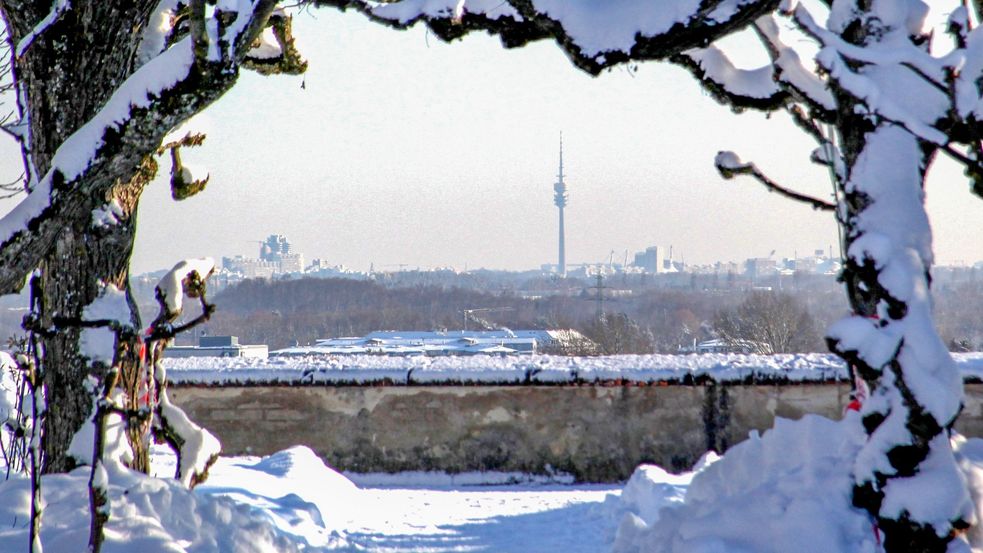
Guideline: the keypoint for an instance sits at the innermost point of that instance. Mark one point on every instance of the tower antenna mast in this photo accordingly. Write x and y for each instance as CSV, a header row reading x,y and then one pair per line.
x,y
560,199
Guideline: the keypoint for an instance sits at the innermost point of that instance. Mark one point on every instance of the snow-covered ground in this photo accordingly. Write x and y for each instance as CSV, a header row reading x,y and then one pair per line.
x,y
290,501
786,490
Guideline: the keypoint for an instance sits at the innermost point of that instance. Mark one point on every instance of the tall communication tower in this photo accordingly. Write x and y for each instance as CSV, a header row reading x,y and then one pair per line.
x,y
560,199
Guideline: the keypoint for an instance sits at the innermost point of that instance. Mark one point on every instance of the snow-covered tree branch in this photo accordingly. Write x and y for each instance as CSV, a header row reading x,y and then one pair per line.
x,y
595,36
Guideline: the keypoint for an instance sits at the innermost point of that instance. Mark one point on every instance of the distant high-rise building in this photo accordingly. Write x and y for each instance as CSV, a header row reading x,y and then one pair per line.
x,y
560,199
275,257
653,260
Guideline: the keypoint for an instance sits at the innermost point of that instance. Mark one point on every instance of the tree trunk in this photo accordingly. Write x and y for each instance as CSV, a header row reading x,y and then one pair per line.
x,y
85,258
891,343
65,75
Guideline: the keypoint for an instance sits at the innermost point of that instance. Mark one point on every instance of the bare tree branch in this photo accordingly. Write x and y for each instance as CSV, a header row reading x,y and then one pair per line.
x,y
704,25
729,166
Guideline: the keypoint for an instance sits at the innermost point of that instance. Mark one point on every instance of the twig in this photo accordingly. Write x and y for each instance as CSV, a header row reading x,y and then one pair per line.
x,y
728,171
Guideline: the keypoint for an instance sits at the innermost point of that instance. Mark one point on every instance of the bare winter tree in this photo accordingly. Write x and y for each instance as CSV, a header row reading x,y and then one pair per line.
x,y
99,85
773,319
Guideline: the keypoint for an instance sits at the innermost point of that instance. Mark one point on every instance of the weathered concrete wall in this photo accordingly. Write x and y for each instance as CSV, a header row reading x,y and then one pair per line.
x,y
595,433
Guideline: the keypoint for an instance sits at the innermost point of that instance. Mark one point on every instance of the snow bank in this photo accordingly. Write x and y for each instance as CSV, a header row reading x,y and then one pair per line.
x,y
539,369
306,500
788,490
277,504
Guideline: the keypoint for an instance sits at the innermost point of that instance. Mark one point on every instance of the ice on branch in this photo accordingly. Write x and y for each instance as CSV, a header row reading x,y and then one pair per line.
x,y
177,282
78,152
159,27
789,68
57,8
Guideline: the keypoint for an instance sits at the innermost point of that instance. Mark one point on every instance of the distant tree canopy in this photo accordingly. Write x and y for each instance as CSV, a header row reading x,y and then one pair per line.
x,y
776,319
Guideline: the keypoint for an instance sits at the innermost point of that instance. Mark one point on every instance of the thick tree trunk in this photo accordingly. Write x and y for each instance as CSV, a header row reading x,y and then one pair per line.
x,y
65,75
914,391
85,258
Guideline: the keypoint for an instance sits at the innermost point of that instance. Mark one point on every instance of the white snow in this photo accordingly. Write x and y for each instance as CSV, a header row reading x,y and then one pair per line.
x,y
9,414
787,490
290,501
726,159
199,446
752,83
116,447
193,173
107,215
538,369
99,344
268,46
57,8
408,10
159,25
599,27
78,151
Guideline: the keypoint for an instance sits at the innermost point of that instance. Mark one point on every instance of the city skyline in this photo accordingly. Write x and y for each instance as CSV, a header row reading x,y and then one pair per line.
x,y
400,149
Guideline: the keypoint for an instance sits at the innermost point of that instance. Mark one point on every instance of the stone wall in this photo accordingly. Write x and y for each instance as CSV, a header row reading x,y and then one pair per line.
x,y
596,433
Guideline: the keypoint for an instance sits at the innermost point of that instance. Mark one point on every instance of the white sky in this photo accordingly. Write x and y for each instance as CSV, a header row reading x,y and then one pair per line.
x,y
403,149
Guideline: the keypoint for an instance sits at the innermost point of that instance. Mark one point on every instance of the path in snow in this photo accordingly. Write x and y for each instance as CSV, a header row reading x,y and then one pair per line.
x,y
500,519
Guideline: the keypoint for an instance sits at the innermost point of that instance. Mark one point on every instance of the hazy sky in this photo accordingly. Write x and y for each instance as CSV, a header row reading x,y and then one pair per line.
x,y
403,149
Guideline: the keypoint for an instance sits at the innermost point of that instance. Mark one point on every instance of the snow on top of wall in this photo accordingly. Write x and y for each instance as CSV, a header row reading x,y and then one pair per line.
x,y
536,369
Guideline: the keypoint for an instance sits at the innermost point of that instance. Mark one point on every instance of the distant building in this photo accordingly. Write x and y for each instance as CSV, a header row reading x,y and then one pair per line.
x,y
440,343
276,257
249,267
654,260
218,346
719,345
760,267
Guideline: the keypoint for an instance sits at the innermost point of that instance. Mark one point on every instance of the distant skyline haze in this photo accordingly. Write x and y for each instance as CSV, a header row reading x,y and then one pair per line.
x,y
401,149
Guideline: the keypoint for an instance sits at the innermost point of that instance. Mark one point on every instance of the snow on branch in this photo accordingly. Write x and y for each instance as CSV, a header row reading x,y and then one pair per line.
x,y
804,84
163,92
185,279
57,8
274,50
738,88
186,180
196,448
595,35
730,165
